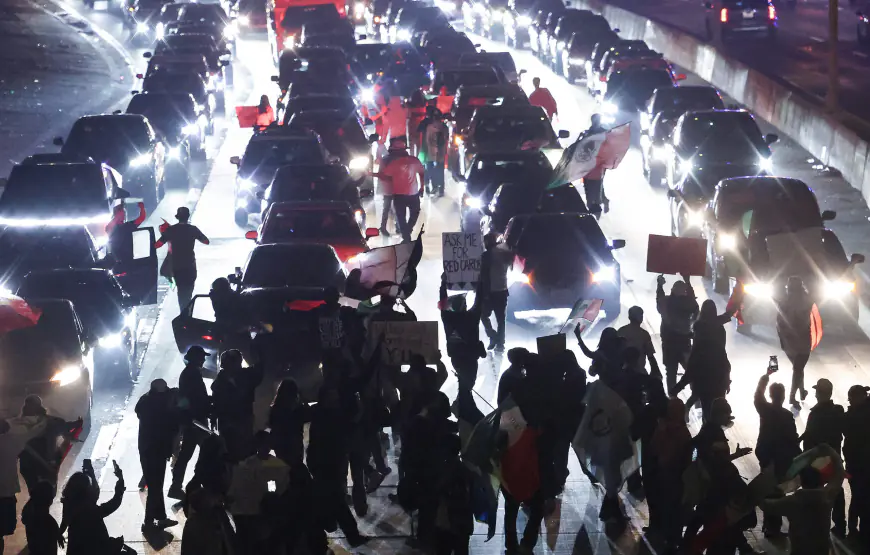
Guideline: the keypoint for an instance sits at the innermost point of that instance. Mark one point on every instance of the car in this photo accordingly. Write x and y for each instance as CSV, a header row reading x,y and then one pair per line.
x,y
181,126
142,19
332,223
628,91
200,45
50,359
210,19
571,57
456,76
501,60
680,100
369,61
287,23
127,143
706,147
251,16
107,315
177,63
571,22
743,210
168,13
311,63
469,98
445,49
593,62
514,198
266,152
498,129
519,17
291,265
374,13
312,182
413,16
608,55
343,137
185,83
489,170
307,87
541,48
560,258
62,193
726,19
342,103
328,33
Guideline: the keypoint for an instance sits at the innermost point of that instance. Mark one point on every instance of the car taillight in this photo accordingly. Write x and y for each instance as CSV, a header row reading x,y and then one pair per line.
x,y
377,19
603,79
771,12
723,15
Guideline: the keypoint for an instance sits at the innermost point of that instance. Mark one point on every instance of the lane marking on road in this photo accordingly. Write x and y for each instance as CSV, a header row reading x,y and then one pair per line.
x,y
103,444
860,54
817,39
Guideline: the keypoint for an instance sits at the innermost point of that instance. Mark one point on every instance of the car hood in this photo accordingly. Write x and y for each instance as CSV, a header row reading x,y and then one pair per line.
x,y
267,304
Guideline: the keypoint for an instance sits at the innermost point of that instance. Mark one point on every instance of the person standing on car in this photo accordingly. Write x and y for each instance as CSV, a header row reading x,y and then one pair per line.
x,y
542,97
433,148
158,426
405,175
679,310
181,238
196,406
493,289
795,337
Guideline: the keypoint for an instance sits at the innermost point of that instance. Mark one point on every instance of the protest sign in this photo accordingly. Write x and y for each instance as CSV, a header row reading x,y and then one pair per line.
x,y
676,255
551,345
403,339
461,253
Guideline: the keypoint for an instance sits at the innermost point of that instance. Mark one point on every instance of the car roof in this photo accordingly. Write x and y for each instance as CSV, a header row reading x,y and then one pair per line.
x,y
762,182
111,116
294,249
501,111
496,88
303,205
282,131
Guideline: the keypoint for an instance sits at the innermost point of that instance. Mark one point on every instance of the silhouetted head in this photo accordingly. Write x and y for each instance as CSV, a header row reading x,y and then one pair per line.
x,y
195,356
595,119
708,310
777,393
635,315
536,82
824,390
231,359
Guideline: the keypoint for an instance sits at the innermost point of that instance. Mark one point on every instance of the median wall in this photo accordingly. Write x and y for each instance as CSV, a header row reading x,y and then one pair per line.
x,y
825,137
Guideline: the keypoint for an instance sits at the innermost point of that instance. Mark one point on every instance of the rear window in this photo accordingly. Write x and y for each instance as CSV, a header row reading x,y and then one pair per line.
x,y
162,106
35,354
501,59
205,13
454,79
574,233
297,16
187,42
488,172
686,99
291,267
513,127
290,225
44,248
771,210
280,151
57,190
190,83
722,136
639,83
97,297
337,136
95,134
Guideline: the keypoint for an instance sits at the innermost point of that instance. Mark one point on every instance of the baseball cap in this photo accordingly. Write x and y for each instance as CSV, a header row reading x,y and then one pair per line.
x,y
858,389
824,385
183,213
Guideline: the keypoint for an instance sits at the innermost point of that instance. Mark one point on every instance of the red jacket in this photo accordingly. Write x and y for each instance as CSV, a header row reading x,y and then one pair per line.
x,y
401,171
542,97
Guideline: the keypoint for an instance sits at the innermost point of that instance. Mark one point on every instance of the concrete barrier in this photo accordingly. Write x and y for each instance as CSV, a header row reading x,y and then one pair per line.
x,y
825,137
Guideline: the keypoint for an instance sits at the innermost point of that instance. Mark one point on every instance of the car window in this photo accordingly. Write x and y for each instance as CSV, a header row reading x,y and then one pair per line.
x,y
637,83
280,151
454,79
774,210
485,172
295,17
36,353
97,297
276,267
723,136
287,225
107,135
575,233
510,127
686,99
55,191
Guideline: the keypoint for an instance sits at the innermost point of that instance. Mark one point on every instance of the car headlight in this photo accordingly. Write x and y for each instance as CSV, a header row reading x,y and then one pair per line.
x,y
111,341
174,153
359,163
141,160
190,129
358,9
473,202
247,184
695,218
605,273
765,164
761,290
290,41
403,35
686,166
838,288
358,215
141,27
609,107
229,32
244,20
67,376
515,276
159,30
367,95
727,242
524,21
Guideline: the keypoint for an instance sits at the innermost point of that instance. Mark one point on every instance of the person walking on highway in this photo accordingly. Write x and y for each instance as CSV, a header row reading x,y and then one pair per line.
x,y
679,310
793,329
825,424
433,149
181,238
493,289
195,405
708,369
634,335
158,426
265,114
593,182
396,119
233,393
542,97
404,173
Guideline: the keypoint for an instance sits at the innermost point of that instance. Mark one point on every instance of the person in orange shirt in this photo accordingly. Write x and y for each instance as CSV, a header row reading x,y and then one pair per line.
x,y
265,114
404,174
542,97
444,101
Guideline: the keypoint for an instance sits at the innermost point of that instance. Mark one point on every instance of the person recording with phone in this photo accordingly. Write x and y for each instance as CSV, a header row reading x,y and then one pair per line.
x,y
83,517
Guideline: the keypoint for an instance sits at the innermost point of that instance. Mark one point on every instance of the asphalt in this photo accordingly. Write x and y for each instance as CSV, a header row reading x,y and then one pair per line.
x,y
636,211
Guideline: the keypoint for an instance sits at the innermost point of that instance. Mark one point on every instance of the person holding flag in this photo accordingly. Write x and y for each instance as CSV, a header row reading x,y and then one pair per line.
x,y
597,149
795,336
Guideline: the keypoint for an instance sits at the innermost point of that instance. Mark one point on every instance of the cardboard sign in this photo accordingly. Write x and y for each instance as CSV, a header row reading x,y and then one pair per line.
x,y
247,115
403,339
676,255
551,345
461,253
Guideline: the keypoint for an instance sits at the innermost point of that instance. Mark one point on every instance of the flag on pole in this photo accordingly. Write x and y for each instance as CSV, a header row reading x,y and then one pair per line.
x,y
603,151
394,265
519,467
583,313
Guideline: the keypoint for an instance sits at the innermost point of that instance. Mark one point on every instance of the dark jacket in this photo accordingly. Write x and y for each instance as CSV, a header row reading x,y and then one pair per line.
x,y
708,369
824,425
42,530
856,442
193,396
158,423
793,324
87,533
287,424
778,442
678,312
233,391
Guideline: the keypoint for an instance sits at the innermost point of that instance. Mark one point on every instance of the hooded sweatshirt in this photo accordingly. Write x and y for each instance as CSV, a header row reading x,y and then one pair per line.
x,y
21,430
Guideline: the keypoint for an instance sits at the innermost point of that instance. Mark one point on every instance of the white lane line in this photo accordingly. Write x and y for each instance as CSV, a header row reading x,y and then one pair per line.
x,y
860,54
817,39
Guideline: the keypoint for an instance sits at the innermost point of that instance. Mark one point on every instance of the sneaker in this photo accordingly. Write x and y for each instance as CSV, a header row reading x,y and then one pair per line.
x,y
499,348
804,394
492,345
795,405
175,492
166,523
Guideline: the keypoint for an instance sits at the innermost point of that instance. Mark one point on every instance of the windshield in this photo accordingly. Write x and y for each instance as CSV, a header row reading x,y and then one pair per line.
x,y
574,233
722,137
190,83
511,127
35,354
344,104
454,79
187,42
55,191
297,16
24,250
96,296
639,85
212,14
373,55
770,210
268,155
686,99
169,113
500,59
106,138
273,266
485,173
326,225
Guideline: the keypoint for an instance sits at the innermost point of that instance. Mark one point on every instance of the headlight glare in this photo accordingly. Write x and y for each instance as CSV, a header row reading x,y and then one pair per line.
x,y
727,242
473,202
141,27
190,129
141,160
515,276
111,341
686,166
695,218
359,163
762,290
838,288
765,164
524,21
605,273
247,185
67,376
609,107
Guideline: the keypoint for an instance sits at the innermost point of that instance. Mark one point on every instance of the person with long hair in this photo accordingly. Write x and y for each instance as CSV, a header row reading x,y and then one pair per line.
x,y
265,114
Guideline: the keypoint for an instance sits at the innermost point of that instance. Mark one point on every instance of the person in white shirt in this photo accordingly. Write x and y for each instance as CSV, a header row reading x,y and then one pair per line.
x,y
493,289
634,335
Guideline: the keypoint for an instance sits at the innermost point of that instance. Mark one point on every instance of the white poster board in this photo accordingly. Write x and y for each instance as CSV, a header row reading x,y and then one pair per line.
x,y
461,253
403,339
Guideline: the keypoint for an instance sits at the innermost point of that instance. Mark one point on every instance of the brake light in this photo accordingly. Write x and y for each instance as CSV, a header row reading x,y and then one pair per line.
x,y
477,102
771,12
603,79
377,19
207,337
723,15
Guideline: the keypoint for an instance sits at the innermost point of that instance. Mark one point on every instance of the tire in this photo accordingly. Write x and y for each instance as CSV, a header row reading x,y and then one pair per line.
x,y
241,217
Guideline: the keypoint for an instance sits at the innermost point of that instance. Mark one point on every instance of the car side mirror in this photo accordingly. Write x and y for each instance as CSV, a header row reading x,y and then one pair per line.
x,y
235,160
828,215
856,259
57,141
122,193
274,78
252,235
522,71
617,244
139,76
147,55
681,77
564,134
134,93
372,232
374,137
771,138
116,112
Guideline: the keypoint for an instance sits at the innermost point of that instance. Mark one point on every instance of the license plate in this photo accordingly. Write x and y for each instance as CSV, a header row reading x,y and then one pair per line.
x,y
748,14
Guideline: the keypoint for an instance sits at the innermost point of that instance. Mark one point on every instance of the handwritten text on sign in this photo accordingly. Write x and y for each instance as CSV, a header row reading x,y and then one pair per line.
x,y
461,253
403,339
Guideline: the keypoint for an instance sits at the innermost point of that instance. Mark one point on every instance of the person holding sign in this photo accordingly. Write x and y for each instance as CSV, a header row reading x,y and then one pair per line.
x,y
679,310
493,289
